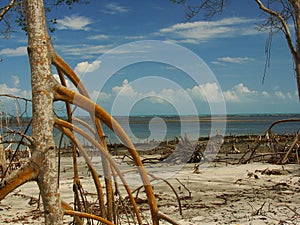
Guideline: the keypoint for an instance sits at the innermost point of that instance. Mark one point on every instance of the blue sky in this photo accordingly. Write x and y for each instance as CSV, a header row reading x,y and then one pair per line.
x,y
229,44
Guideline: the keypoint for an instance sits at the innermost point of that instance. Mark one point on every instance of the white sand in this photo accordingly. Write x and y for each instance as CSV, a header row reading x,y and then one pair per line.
x,y
220,194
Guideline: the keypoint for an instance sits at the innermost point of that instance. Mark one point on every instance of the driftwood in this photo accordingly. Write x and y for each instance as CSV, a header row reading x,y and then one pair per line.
x,y
280,154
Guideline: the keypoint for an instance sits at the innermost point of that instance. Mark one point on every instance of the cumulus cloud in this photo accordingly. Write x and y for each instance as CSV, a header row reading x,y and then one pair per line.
x,y
208,91
239,92
86,67
73,22
5,89
199,31
127,94
19,51
124,90
14,89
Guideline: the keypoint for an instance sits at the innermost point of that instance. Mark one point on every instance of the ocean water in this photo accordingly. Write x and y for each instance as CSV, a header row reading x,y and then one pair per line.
x,y
142,129
159,128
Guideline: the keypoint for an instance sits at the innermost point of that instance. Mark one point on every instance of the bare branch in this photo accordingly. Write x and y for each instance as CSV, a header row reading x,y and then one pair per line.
x,y
5,9
286,29
16,97
208,7
28,172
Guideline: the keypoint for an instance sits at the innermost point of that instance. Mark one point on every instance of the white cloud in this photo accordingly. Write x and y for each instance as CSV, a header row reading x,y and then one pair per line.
x,y
85,67
280,94
5,89
84,50
199,31
16,80
114,8
14,90
231,96
73,22
124,90
237,60
19,51
98,37
207,91
239,93
265,94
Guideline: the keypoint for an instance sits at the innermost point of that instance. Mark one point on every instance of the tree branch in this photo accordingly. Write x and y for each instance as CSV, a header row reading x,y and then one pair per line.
x,y
284,25
6,9
28,172
16,97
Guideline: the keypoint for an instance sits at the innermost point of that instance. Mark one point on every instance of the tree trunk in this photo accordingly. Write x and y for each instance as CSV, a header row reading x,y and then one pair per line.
x,y
296,5
2,157
43,152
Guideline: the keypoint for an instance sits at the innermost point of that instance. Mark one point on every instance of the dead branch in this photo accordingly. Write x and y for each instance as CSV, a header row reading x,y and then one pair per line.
x,y
286,157
172,188
292,120
190,193
15,97
17,149
5,9
28,172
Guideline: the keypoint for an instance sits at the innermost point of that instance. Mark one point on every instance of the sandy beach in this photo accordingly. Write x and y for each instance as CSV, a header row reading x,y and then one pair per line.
x,y
255,193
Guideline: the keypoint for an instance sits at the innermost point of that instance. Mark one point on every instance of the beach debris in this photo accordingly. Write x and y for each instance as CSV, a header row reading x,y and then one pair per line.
x,y
234,149
251,174
196,169
268,171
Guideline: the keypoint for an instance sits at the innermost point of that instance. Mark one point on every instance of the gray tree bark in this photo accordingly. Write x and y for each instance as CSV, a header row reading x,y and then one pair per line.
x,y
43,151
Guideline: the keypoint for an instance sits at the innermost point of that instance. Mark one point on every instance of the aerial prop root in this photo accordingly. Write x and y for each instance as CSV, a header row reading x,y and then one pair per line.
x,y
63,94
67,125
64,69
